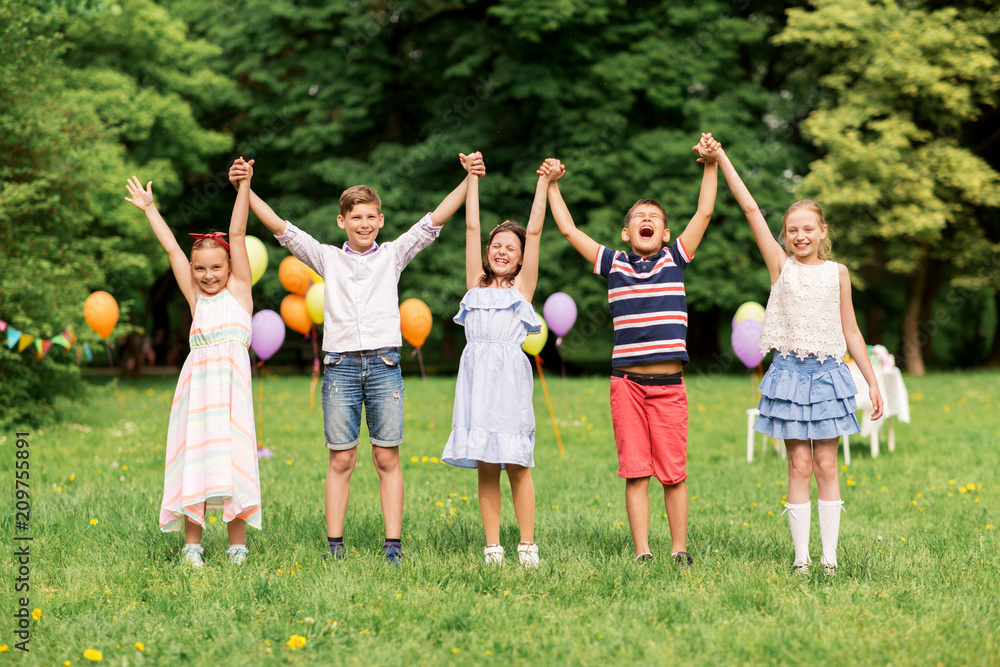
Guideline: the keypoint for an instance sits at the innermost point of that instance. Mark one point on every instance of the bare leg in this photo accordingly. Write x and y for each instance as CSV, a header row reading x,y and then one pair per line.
x,y
390,484
237,531
523,491
637,508
675,499
800,470
824,466
338,489
489,500
192,529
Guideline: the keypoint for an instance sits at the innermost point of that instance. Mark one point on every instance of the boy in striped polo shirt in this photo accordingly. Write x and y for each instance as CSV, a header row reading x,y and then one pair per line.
x,y
648,398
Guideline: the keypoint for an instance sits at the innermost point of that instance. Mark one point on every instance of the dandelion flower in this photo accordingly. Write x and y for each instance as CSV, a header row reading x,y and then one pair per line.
x,y
93,655
434,459
139,646
970,486
267,642
851,482
903,539
456,651
124,467
212,519
415,459
440,504
452,495
36,614
425,459
951,481
365,631
465,497
72,477
67,663
296,642
93,522
58,489
4,648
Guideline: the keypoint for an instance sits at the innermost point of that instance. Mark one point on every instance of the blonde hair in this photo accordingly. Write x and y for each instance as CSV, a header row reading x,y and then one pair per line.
x,y
826,245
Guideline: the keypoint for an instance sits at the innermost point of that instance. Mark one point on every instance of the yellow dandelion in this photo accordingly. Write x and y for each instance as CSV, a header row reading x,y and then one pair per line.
x,y
694,497
72,477
590,426
488,653
770,513
365,631
139,646
583,418
415,459
456,651
58,489
962,489
452,495
851,482
903,539
434,459
440,503
844,468
920,495
288,462
989,526
425,459
124,467
758,485
93,522
93,655
913,502
4,648
950,494
267,642
296,642
36,614
212,519
746,525
951,481
67,663
970,486
878,477
555,507
118,646
754,505
465,497
884,488
399,595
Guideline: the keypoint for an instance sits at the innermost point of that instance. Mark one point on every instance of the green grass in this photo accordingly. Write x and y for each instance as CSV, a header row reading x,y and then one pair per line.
x,y
917,581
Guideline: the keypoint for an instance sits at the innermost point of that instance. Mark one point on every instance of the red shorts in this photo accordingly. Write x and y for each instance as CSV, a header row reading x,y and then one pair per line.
x,y
651,425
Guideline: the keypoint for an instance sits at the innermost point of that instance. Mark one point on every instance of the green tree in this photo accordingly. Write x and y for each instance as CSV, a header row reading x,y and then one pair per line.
x,y
90,97
914,196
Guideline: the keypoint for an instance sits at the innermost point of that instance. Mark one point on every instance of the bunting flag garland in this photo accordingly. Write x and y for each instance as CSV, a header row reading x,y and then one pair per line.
x,y
23,341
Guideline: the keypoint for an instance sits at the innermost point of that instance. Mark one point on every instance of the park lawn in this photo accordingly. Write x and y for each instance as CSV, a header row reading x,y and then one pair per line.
x,y
917,582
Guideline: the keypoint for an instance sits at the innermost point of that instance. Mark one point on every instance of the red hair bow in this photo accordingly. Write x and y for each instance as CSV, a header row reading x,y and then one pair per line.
x,y
215,236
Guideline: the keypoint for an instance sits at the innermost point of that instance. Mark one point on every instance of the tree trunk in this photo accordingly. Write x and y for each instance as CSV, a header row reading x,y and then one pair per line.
x,y
994,359
914,339
928,319
874,275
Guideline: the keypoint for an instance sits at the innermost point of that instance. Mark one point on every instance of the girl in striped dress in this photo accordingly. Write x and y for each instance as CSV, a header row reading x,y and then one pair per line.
x,y
211,461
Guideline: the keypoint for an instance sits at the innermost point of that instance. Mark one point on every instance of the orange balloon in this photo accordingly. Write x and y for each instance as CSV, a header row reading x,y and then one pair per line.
x,y
101,312
415,321
295,314
294,275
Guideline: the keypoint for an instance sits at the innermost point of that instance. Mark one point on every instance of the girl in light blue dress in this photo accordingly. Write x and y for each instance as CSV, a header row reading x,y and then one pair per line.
x,y
493,427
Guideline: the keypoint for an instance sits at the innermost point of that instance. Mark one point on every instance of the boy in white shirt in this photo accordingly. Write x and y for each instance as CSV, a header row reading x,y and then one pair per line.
x,y
361,340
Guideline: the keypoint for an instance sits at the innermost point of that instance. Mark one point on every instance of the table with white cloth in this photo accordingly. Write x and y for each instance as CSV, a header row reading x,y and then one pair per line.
x,y
895,405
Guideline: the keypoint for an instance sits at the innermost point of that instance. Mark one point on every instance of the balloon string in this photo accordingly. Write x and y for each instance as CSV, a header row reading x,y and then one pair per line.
x,y
423,374
548,401
258,371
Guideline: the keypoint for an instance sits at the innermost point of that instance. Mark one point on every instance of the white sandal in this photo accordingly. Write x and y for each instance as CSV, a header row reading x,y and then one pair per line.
x,y
494,554
527,552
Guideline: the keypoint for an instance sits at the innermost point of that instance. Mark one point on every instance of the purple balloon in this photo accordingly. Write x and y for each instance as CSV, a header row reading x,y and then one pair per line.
x,y
267,333
560,313
746,337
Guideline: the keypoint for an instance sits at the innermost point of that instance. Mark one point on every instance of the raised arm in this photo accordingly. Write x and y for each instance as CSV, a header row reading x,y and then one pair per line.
x,y
772,252
856,342
241,280
583,244
473,235
240,171
694,232
179,262
527,278
449,205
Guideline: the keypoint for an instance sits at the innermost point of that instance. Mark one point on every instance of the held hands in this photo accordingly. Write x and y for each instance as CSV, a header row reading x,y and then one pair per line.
x,y
473,163
240,171
143,199
876,399
551,170
706,149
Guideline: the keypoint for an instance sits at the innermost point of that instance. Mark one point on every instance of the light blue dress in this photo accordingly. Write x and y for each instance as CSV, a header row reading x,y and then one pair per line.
x,y
493,419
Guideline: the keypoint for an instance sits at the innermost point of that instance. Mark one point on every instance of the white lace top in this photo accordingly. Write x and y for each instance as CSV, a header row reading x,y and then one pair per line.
x,y
803,312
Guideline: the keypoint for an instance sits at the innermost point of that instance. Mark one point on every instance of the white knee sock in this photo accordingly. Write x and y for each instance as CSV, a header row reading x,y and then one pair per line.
x,y
829,528
798,521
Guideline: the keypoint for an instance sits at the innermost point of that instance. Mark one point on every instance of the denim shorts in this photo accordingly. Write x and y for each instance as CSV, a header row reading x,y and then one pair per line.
x,y
367,377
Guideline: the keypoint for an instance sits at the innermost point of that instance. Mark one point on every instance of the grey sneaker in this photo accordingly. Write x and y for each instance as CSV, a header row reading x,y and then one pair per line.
x,y
682,559
800,568
237,554
644,557
192,554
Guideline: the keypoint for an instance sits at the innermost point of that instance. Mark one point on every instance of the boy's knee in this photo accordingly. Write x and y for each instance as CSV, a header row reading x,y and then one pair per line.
x,y
386,459
343,461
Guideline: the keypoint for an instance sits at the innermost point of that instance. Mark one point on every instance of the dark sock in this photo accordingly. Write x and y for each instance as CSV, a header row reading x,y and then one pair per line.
x,y
334,541
392,543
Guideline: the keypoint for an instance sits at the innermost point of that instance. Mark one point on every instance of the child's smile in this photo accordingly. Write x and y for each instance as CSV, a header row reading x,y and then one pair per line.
x,y
504,253
210,268
646,231
362,224
804,234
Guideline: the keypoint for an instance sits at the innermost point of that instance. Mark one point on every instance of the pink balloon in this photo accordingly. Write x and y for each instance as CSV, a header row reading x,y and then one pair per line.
x,y
746,337
560,313
267,333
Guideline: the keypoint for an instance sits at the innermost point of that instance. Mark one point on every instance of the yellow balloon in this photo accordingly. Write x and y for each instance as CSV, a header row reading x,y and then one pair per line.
x,y
534,343
313,276
258,258
314,302
751,310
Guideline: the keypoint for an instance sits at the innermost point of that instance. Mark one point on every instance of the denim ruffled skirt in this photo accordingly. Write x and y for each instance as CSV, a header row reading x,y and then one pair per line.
x,y
804,399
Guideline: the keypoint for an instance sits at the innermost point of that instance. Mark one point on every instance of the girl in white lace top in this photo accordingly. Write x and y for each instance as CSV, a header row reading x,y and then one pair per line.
x,y
807,395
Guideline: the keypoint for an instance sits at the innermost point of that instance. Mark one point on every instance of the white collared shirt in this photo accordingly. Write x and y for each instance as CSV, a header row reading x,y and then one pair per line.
x,y
361,299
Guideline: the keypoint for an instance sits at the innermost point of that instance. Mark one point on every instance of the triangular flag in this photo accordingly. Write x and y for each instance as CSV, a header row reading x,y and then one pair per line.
x,y
70,336
3,325
79,353
12,336
88,352
46,346
61,341
25,341
38,348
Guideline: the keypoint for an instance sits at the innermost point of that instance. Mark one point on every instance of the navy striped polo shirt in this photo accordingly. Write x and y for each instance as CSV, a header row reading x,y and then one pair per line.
x,y
648,305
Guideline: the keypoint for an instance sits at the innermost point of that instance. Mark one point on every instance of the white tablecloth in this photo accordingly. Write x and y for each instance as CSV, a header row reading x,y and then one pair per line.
x,y
895,398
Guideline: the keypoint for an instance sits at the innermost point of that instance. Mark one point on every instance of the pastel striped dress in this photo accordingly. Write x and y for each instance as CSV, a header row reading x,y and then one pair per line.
x,y
211,441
